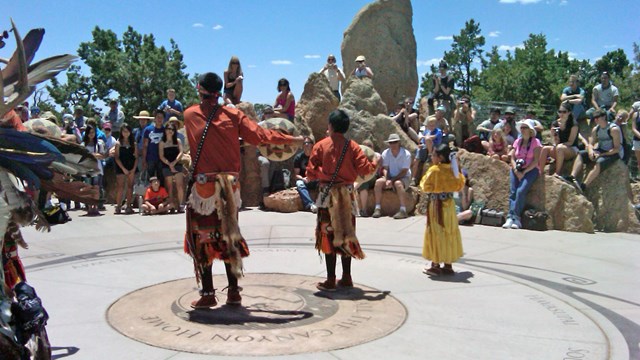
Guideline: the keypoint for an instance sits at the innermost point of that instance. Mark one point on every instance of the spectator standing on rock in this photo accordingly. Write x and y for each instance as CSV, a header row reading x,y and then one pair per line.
x,y
334,74
233,78
604,97
170,106
442,239
396,175
336,162
524,172
362,70
285,105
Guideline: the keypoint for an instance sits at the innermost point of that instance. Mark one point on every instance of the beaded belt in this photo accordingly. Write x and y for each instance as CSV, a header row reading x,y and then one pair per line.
x,y
211,177
441,196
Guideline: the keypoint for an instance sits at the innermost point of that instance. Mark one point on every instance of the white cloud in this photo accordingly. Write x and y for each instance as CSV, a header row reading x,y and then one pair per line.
x,y
443,37
564,2
610,46
494,34
523,2
509,48
572,55
312,56
434,61
198,25
281,62
217,27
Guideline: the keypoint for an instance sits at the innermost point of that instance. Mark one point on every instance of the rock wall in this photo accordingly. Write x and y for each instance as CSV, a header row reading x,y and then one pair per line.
x,y
316,103
383,32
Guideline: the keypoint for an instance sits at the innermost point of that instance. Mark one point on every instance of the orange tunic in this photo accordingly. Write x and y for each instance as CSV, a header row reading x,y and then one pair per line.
x,y
221,150
324,159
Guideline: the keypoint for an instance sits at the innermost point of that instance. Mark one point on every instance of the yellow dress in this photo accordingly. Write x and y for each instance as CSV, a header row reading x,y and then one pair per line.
x,y
442,240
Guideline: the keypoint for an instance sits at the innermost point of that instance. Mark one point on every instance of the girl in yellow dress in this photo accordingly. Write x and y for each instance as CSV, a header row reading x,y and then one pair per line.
x,y
442,241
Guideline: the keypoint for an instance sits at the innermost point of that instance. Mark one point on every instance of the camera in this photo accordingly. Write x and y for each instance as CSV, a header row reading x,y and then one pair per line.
x,y
520,165
556,131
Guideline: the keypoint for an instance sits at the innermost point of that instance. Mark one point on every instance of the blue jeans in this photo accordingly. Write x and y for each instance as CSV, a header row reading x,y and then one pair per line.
x,y
518,193
303,190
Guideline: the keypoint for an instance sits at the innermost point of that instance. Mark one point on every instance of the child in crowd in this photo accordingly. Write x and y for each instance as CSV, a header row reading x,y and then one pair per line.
x,y
442,240
156,199
430,138
498,146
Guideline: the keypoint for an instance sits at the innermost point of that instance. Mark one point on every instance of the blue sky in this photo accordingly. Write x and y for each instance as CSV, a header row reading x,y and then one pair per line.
x,y
291,38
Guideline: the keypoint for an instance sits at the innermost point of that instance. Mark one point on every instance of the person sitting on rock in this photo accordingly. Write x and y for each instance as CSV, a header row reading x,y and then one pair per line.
x,y
463,120
565,140
396,174
485,127
604,97
303,185
429,140
362,70
408,120
605,148
156,199
441,121
363,189
463,200
285,105
510,119
498,148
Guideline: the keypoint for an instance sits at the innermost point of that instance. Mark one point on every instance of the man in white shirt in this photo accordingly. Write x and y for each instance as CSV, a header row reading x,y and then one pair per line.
x,y
604,96
396,174
333,74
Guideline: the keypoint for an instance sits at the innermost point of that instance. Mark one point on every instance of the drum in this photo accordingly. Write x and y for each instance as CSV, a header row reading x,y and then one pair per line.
x,y
278,152
371,156
43,126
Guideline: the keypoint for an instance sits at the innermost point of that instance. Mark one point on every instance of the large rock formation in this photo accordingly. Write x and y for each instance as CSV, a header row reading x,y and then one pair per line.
x,y
490,181
368,116
316,103
250,188
382,31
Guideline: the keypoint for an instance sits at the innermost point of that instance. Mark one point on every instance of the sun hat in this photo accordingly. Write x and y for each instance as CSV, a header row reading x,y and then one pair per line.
x,y
528,123
360,58
510,110
176,120
393,138
144,114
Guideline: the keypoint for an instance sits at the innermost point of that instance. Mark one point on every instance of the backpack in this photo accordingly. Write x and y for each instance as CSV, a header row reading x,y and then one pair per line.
x,y
626,147
473,144
56,215
280,180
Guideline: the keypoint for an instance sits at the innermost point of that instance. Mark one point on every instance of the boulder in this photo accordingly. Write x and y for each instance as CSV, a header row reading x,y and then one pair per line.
x,y
382,31
611,195
250,188
316,103
368,116
390,204
490,181
285,201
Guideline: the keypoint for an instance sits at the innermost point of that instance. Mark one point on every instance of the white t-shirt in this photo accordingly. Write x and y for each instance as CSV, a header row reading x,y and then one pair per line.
x,y
396,163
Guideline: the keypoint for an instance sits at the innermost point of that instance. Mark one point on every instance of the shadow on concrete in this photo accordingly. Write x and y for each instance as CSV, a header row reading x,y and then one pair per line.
x,y
353,294
62,352
459,277
239,315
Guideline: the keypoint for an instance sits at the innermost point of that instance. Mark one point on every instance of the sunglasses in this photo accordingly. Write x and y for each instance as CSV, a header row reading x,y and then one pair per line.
x,y
562,111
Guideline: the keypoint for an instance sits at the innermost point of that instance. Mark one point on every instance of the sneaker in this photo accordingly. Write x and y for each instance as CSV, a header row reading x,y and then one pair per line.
x,y
516,224
363,213
327,285
233,296
579,187
129,210
508,224
568,179
181,209
313,208
402,214
345,281
205,302
118,210
376,213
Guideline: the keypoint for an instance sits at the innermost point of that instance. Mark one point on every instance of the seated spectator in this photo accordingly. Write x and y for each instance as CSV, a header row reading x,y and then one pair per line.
x,y
485,127
363,189
463,120
441,121
498,148
443,87
285,105
525,156
463,200
575,95
233,78
510,119
408,120
362,70
156,199
303,185
507,130
396,163
605,148
429,140
565,140
604,97
537,125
